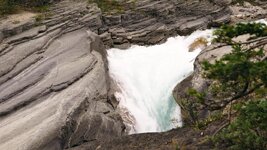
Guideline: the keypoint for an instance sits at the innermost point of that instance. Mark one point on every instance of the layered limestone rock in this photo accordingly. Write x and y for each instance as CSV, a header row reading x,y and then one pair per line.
x,y
248,12
152,22
54,83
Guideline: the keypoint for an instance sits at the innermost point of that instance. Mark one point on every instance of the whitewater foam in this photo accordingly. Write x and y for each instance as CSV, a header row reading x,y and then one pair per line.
x,y
146,77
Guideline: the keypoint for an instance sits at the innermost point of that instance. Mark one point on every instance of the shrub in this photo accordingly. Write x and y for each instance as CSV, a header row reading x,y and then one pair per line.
x,y
239,72
242,71
10,6
242,74
108,5
248,130
227,32
6,6
114,6
243,1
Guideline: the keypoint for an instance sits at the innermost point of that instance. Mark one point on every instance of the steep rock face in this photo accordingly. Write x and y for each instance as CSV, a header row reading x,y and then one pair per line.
x,y
54,83
201,84
198,82
152,22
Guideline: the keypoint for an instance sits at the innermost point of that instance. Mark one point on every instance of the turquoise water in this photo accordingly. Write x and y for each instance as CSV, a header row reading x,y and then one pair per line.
x,y
146,77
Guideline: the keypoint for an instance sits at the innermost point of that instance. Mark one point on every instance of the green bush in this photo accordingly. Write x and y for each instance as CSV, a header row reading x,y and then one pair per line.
x,y
6,6
243,70
227,32
10,6
33,3
114,6
109,5
248,130
239,72
242,1
241,75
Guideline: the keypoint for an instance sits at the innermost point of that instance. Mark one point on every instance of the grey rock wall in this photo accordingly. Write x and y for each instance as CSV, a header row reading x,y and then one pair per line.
x,y
54,83
152,22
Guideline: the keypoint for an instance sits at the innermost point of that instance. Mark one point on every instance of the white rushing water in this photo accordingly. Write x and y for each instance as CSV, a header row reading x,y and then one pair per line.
x,y
146,77
262,21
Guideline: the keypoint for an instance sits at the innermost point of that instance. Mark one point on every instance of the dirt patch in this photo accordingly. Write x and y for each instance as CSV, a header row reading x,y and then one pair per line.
x,y
16,19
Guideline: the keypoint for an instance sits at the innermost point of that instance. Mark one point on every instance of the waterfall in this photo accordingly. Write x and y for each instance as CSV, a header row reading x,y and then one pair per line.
x,y
146,76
